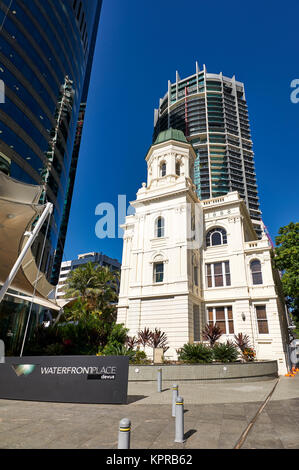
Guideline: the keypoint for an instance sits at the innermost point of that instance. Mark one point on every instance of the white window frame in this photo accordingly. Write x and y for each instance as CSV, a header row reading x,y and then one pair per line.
x,y
213,274
256,272
262,304
211,232
162,227
155,273
225,307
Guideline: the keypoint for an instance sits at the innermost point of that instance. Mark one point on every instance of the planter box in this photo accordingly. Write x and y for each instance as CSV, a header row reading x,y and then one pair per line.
x,y
232,371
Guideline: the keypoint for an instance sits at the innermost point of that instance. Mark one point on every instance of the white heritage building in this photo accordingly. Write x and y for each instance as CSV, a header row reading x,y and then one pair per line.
x,y
187,262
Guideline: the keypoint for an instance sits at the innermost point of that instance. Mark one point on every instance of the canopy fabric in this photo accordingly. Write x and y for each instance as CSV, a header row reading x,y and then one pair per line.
x,y
18,209
16,191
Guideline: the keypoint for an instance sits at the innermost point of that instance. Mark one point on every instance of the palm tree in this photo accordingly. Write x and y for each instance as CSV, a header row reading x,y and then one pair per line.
x,y
95,287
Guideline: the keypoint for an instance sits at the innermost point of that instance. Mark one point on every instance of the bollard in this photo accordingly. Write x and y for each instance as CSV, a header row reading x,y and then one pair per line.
x,y
159,380
175,392
124,434
179,420
2,352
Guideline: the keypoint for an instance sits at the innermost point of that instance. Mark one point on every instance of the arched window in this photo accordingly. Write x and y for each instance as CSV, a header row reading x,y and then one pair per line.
x,y
178,168
160,227
256,272
162,169
216,236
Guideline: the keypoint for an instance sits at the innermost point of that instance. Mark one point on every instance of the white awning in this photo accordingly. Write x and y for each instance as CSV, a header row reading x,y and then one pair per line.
x,y
18,209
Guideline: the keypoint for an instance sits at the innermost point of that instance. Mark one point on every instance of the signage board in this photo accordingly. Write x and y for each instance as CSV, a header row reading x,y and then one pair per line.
x,y
66,379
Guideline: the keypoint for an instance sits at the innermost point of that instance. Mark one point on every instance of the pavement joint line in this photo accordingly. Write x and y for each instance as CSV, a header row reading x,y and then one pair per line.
x,y
252,422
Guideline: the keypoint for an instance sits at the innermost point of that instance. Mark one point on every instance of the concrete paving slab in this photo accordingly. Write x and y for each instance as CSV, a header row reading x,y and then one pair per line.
x,y
215,417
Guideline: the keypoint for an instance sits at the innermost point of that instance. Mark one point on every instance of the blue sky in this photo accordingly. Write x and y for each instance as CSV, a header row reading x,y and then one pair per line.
x,y
140,46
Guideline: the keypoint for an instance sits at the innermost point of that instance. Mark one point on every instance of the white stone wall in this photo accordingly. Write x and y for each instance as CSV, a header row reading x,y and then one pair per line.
x,y
169,305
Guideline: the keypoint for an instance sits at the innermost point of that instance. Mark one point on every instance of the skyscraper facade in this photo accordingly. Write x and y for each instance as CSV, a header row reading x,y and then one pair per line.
x,y
46,53
212,112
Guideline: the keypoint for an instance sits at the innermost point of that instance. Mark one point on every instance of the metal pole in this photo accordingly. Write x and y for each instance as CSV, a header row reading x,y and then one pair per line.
x,y
175,393
179,420
34,290
32,236
124,434
2,352
159,380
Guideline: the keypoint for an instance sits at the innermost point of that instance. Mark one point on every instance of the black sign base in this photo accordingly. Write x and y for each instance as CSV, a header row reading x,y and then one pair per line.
x,y
65,379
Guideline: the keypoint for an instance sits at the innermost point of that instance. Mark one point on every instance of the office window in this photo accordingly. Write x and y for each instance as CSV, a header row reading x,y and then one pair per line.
x,y
223,317
158,272
218,274
261,317
160,227
216,236
256,272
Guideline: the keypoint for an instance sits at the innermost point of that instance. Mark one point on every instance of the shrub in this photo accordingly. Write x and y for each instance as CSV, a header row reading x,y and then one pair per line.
x,y
144,337
117,350
242,341
158,339
196,353
139,358
249,354
131,342
118,334
212,333
54,350
154,339
225,352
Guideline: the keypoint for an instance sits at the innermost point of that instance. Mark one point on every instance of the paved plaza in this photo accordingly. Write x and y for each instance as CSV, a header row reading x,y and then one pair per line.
x,y
216,416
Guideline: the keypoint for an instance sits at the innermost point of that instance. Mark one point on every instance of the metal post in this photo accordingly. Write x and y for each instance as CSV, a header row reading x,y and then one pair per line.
x,y
124,434
2,352
175,392
159,380
32,236
179,420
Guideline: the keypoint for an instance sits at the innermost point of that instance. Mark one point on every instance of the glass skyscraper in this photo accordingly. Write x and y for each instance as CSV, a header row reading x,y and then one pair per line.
x,y
212,112
46,53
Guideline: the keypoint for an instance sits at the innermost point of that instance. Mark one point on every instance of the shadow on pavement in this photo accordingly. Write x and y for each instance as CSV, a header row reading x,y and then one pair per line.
x,y
190,433
133,398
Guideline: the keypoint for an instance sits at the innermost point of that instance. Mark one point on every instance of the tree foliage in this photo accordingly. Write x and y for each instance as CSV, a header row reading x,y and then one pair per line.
x,y
286,260
196,353
88,323
225,352
95,288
